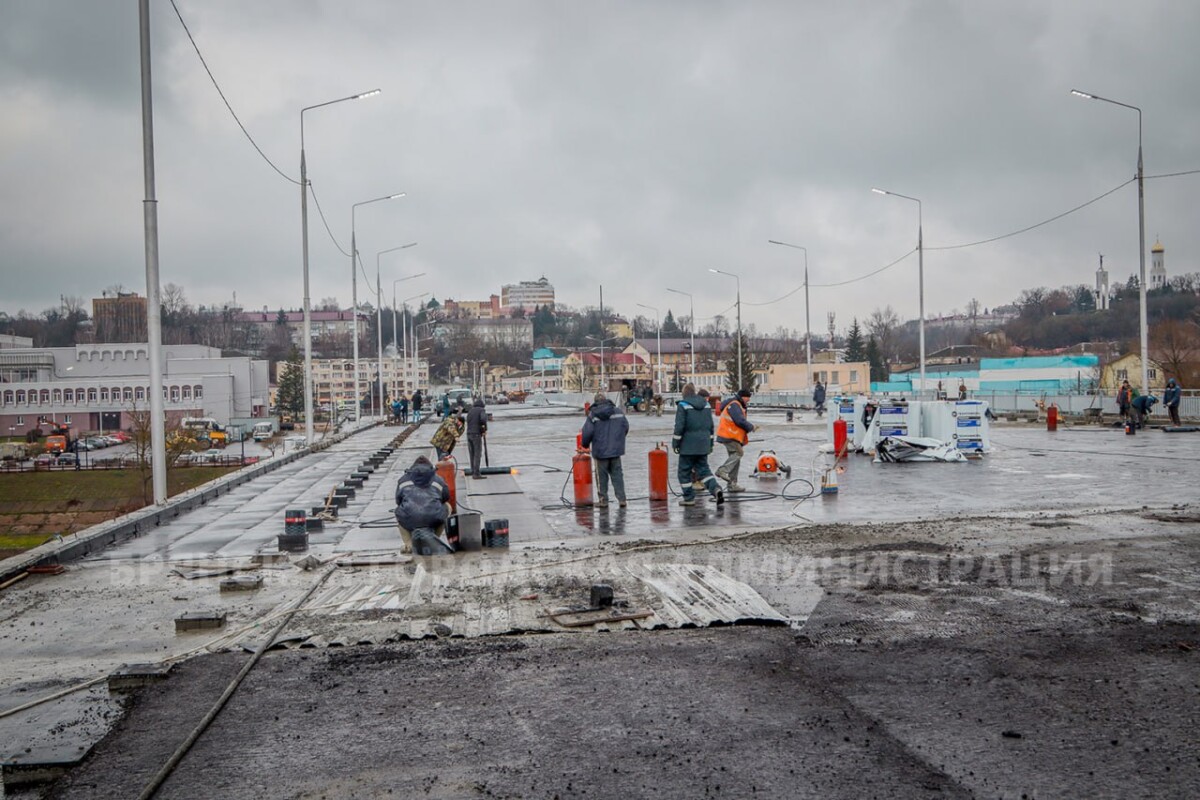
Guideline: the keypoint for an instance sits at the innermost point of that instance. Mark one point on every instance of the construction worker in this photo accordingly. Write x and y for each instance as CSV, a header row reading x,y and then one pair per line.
x,y
1171,399
476,431
604,433
1142,406
819,398
733,431
1124,399
692,441
447,435
422,502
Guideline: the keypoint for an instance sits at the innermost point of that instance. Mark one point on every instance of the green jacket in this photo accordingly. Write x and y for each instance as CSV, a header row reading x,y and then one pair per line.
x,y
447,434
693,427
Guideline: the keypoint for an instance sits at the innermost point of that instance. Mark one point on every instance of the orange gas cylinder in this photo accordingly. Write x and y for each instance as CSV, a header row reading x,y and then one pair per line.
x,y
579,441
1052,418
445,471
839,437
714,400
658,473
581,468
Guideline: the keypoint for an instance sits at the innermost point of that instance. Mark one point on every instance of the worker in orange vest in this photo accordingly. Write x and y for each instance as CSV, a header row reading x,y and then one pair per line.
x,y
733,431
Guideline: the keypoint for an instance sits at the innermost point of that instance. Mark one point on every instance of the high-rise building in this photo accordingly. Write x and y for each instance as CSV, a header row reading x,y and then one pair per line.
x,y
527,294
120,318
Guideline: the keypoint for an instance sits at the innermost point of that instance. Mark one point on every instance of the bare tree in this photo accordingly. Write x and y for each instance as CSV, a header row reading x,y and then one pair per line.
x,y
178,442
883,324
1175,345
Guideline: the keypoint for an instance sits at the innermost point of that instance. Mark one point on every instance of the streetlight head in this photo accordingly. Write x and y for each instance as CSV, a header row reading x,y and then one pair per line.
x,y
1084,95
714,271
396,196
406,246
879,191
365,95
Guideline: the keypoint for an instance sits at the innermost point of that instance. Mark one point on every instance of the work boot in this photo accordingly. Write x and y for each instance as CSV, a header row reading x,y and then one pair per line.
x,y
687,501
720,497
622,503
723,474
734,488
602,502
698,485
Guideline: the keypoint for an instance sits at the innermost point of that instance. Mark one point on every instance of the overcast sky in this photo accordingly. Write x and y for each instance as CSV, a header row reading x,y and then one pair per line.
x,y
629,144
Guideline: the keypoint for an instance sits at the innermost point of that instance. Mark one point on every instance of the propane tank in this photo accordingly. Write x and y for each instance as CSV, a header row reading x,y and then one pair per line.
x,y
714,400
658,473
581,469
839,437
1052,418
579,442
446,471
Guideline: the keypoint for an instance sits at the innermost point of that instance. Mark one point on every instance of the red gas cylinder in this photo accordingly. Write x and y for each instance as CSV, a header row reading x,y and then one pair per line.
x,y
714,400
658,473
579,441
581,468
839,437
1052,418
445,471
587,408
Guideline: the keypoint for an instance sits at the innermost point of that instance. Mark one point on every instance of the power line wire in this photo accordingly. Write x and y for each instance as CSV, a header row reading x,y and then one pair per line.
x,y
313,190
1174,174
232,113
1038,225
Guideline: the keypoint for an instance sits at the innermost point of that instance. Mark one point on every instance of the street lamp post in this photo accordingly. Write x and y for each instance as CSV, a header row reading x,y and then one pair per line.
x,y
807,323
1144,327
658,330
603,376
354,294
308,372
692,327
411,325
379,312
920,278
740,385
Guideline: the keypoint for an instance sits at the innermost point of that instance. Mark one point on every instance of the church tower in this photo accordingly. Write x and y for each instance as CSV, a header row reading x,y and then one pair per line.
x,y
1158,270
1101,286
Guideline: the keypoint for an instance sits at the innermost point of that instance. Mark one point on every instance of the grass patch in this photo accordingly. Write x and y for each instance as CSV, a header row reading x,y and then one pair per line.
x,y
37,505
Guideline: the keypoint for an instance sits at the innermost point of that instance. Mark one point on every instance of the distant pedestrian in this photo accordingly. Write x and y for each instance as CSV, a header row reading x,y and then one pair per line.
x,y
962,390
1142,406
604,432
447,435
733,431
819,398
1171,399
445,405
417,400
692,442
1124,399
403,407
422,501
476,432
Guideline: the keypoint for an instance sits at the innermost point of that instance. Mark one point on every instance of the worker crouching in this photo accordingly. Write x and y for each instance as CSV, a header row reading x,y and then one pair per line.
x,y
422,508
733,431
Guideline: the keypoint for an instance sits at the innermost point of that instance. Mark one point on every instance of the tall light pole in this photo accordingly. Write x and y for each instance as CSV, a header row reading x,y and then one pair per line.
x,y
807,323
308,373
1143,320
395,341
920,278
658,329
692,327
602,340
379,313
412,323
740,385
158,431
354,294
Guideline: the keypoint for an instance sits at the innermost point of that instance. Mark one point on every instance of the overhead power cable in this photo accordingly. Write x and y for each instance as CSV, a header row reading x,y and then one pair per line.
x,y
1174,174
313,190
1038,225
232,113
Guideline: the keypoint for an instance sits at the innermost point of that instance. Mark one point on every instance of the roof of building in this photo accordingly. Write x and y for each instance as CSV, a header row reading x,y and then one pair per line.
x,y
708,345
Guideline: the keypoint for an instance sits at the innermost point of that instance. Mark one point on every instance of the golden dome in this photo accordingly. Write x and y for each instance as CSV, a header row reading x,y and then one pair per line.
x,y
1158,248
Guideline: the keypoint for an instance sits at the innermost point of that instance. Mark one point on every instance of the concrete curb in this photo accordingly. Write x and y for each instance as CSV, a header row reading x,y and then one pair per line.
x,y
136,523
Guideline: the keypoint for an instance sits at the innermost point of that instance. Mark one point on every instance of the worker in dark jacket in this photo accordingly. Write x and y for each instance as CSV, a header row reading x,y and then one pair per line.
x,y
692,442
819,398
604,432
476,431
733,431
422,501
1171,399
1143,404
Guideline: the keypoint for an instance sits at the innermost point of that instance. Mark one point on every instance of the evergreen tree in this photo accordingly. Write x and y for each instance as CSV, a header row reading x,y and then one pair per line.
x,y
731,365
875,359
856,349
290,397
670,328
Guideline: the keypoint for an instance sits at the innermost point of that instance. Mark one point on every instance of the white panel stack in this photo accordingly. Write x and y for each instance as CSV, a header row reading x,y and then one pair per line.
x,y
963,422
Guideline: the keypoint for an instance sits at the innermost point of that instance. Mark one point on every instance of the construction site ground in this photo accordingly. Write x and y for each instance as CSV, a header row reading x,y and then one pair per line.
x,y
1022,626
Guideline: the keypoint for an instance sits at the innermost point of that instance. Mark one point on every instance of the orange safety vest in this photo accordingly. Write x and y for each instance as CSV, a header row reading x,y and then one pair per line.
x,y
728,429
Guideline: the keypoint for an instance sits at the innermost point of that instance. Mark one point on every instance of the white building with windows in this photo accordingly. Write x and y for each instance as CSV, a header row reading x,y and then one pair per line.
x,y
1158,267
93,387
527,294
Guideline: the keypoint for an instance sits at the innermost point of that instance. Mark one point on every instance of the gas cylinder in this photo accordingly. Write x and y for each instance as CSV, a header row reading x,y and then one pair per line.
x,y
839,437
714,400
581,469
445,471
1052,418
579,441
658,473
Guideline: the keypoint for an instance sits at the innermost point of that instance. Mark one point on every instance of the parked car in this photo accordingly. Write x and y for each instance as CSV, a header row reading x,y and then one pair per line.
x,y
66,459
44,459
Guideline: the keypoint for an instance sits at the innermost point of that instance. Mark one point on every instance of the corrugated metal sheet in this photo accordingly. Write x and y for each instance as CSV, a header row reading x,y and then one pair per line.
x,y
433,604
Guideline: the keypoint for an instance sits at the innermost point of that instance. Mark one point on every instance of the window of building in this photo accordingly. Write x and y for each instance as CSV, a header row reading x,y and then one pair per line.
x,y
198,392
68,395
174,394
67,418
8,398
103,394
854,376
187,393
1152,373
1122,374
139,393
45,397
56,396
20,396
91,395
835,376
20,420
127,393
